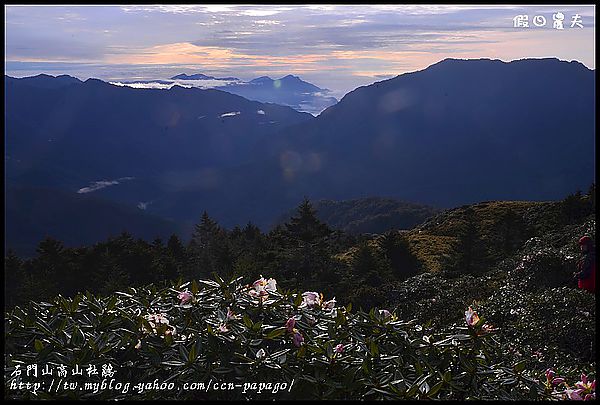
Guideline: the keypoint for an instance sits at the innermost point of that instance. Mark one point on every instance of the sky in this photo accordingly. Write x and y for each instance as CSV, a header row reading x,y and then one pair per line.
x,y
338,47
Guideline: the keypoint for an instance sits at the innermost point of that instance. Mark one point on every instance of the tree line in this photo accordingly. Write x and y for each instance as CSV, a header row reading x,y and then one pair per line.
x,y
302,253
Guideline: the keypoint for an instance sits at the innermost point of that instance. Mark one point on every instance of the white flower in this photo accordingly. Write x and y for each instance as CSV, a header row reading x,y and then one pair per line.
x,y
310,299
262,287
261,354
329,304
157,320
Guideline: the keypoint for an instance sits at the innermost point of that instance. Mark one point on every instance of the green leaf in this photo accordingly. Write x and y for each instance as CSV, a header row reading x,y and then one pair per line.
x,y
77,338
298,300
520,366
374,349
111,304
192,354
39,346
247,321
434,390
275,333
194,287
183,353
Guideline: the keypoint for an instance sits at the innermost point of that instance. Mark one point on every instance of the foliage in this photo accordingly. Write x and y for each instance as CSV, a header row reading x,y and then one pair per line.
x,y
225,334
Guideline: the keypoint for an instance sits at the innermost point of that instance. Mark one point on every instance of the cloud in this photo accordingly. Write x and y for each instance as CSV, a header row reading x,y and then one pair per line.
x,y
230,114
143,205
98,185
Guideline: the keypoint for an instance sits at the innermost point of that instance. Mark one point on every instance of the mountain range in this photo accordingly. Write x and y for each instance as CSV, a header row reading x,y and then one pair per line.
x,y
200,76
457,132
289,90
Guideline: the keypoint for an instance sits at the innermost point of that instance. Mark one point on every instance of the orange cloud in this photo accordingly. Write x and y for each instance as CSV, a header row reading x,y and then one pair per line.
x,y
181,52
187,53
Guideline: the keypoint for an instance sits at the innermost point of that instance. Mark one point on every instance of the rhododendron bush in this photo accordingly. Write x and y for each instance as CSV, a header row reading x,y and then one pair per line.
x,y
239,332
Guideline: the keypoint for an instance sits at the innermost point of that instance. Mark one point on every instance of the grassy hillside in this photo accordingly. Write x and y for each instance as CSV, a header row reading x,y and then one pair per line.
x,y
369,215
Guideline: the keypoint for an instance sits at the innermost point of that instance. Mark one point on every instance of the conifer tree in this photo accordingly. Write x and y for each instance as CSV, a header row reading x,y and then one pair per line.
x,y
306,227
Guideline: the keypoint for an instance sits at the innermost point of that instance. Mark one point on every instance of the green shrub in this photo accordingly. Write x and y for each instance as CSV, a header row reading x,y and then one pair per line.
x,y
228,332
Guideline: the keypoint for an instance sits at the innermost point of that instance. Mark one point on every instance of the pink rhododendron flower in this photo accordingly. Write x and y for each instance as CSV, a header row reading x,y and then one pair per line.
x,y
289,325
339,348
585,386
310,299
231,314
261,354
223,328
550,374
185,297
471,317
262,287
573,395
385,313
297,338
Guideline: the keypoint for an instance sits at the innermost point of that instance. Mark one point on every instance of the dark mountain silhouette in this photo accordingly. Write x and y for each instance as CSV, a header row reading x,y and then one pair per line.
x,y
289,90
68,137
72,135
200,76
457,132
77,219
48,82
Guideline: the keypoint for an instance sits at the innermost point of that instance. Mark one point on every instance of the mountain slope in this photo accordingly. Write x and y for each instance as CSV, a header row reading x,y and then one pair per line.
x,y
368,215
457,132
66,135
94,130
75,219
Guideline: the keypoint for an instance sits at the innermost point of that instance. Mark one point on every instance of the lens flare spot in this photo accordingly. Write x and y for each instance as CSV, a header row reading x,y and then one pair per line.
x,y
291,162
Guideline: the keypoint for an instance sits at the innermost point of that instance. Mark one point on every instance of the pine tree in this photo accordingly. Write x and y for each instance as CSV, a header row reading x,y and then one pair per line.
x,y
592,197
204,232
371,268
204,248
306,227
396,249
174,247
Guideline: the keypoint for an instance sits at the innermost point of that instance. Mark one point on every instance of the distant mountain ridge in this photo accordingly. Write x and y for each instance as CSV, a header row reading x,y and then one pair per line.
x,y
47,81
200,76
289,90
